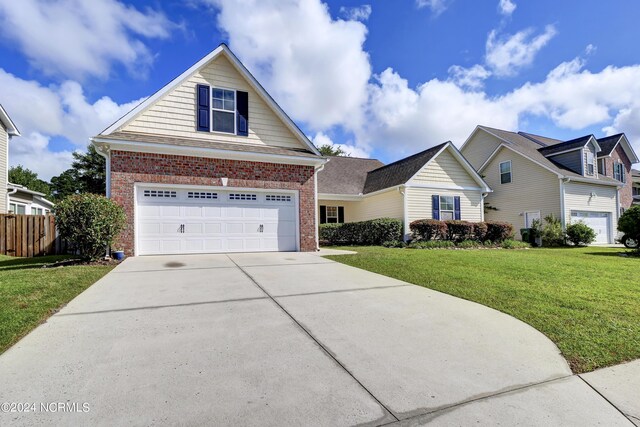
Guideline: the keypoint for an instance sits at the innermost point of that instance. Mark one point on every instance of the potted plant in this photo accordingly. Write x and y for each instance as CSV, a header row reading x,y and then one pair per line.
x,y
118,255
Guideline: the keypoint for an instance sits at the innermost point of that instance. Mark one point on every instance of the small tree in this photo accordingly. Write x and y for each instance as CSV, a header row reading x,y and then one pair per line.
x,y
552,233
580,234
89,222
629,224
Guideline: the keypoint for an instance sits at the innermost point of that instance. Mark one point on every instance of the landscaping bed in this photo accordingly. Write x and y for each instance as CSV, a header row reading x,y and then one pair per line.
x,y
29,293
586,300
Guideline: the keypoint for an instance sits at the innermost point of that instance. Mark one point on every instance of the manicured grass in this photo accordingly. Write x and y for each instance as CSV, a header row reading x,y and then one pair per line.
x,y
586,300
30,294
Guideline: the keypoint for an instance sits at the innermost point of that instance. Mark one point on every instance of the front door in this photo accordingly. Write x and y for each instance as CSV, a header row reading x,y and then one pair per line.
x,y
529,217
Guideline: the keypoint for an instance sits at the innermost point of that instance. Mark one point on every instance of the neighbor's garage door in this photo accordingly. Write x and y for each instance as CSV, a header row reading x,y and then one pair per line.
x,y
599,221
193,220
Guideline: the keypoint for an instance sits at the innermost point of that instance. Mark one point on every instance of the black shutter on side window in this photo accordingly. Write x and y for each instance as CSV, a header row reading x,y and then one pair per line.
x,y
203,107
435,206
341,214
323,214
456,207
242,106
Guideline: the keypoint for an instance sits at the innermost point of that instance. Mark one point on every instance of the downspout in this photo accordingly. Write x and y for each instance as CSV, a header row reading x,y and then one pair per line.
x,y
482,206
315,207
13,191
405,215
563,216
107,157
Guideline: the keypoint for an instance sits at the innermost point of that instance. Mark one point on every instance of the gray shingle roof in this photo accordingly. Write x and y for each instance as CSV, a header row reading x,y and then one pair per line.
x,y
543,140
399,172
530,149
345,175
566,145
608,143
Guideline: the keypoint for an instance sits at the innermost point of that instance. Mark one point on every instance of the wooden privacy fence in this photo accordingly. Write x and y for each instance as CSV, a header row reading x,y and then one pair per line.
x,y
27,235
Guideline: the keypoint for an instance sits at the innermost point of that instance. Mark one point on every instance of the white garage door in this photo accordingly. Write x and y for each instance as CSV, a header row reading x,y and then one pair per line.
x,y
195,220
599,221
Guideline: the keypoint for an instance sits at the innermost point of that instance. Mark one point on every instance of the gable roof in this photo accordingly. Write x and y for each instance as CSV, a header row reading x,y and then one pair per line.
x,y
224,50
572,144
542,140
399,172
609,143
345,175
530,149
11,128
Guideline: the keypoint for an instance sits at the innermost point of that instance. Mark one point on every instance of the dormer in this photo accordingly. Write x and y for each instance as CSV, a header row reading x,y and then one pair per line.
x,y
578,155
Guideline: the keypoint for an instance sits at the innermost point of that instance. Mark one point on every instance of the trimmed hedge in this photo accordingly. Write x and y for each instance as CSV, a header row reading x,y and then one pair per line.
x,y
428,229
459,231
366,233
498,232
580,234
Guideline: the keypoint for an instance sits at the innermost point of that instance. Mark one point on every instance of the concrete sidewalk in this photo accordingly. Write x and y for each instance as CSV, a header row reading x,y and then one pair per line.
x,y
287,339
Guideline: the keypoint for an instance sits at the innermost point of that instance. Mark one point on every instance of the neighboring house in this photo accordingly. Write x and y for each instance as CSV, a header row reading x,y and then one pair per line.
x,y
437,183
533,176
25,201
210,163
635,174
7,130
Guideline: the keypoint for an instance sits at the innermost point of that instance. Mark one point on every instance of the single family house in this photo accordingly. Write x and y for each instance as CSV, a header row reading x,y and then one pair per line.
x,y
25,201
437,183
584,179
211,163
7,130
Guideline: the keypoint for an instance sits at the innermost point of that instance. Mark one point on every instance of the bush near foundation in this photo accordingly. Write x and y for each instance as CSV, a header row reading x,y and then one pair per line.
x,y
366,233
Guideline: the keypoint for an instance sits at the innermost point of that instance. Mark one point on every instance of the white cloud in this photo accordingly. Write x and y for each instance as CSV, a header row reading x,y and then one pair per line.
x,y
77,38
472,78
590,49
314,66
506,7
354,151
505,56
359,13
436,6
56,111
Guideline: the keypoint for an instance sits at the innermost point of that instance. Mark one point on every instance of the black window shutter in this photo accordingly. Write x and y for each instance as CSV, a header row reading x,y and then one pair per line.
x,y
435,206
323,214
456,208
242,107
203,107
341,214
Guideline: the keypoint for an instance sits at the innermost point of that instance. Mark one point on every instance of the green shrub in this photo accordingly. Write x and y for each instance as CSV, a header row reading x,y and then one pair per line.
x,y
468,244
428,229
394,244
629,223
498,232
514,244
366,233
458,231
480,231
431,244
552,233
89,222
580,234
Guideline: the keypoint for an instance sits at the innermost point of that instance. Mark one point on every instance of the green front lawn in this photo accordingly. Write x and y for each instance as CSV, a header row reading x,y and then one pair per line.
x,y
30,294
586,300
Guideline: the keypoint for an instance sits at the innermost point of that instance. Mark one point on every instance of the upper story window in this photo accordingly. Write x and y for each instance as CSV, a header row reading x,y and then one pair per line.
x,y
223,114
602,167
619,172
505,172
591,167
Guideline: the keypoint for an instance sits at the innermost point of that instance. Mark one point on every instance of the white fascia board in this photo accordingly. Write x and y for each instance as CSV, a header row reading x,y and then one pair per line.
x,y
465,163
626,146
595,182
477,128
563,152
340,197
180,150
449,187
222,49
11,127
444,147
595,142
24,189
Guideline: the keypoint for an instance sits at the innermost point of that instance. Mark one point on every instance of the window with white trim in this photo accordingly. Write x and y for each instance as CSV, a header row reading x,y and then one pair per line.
x,y
619,172
241,196
36,211
447,208
505,172
591,163
17,208
223,110
332,214
201,195
278,198
160,194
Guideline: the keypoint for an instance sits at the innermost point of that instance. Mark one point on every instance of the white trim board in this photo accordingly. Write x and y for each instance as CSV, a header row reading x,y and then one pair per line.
x,y
222,49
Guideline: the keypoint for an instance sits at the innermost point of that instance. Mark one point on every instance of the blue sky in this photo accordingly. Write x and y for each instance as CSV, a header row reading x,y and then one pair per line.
x,y
380,78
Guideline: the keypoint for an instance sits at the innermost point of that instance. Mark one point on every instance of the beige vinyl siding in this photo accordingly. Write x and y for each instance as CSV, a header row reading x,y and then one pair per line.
x,y
445,170
532,189
4,159
578,197
174,114
389,204
479,148
419,203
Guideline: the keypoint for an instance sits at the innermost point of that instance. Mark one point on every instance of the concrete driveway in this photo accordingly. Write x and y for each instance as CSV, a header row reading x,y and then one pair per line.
x,y
285,339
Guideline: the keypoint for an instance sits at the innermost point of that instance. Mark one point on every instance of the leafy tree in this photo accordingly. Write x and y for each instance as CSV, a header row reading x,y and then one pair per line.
x,y
332,150
23,176
87,175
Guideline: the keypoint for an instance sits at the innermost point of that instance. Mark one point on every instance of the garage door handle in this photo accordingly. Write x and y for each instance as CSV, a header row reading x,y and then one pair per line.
x,y
182,228
261,228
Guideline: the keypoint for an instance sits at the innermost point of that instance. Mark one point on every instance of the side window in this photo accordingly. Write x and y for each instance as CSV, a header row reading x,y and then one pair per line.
x,y
505,172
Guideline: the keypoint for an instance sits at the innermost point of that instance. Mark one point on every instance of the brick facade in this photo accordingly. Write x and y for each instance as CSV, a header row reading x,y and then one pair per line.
x,y
128,168
626,192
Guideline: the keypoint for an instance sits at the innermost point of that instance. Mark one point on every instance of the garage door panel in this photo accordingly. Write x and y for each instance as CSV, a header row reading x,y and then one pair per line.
x,y
598,221
184,223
